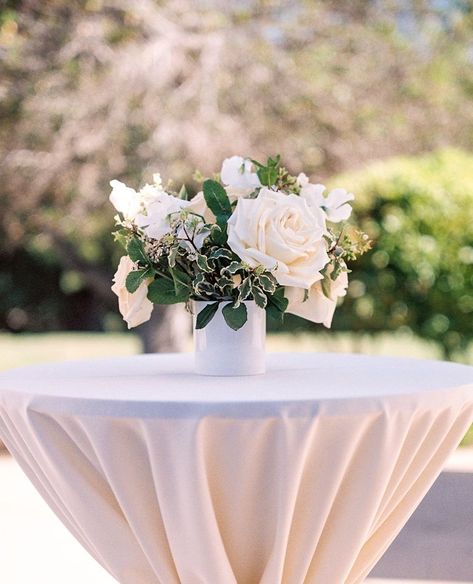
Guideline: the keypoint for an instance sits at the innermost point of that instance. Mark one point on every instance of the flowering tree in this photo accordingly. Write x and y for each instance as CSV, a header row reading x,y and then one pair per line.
x,y
99,89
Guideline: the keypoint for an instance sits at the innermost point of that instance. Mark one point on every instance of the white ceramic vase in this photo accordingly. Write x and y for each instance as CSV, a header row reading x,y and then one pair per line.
x,y
219,350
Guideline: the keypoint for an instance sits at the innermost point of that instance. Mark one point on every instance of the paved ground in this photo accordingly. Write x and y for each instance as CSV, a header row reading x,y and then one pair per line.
x,y
435,547
437,541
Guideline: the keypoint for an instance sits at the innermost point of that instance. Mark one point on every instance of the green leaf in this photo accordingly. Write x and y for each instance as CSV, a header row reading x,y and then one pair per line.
x,y
137,253
121,236
259,297
278,299
172,257
244,289
206,315
233,268
163,291
134,279
182,282
200,285
235,317
223,282
256,163
203,263
268,282
221,253
218,235
183,193
326,286
273,312
267,175
274,162
217,201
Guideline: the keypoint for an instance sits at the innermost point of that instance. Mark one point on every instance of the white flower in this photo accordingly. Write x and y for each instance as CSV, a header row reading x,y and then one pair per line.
x,y
158,182
317,307
281,233
156,222
148,194
335,204
302,179
134,307
125,200
131,203
236,172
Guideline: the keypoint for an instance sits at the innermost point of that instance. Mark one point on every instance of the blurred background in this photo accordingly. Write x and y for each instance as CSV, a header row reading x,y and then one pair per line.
x,y
374,96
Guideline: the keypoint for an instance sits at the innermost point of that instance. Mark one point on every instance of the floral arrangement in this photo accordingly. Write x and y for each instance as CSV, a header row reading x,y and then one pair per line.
x,y
255,232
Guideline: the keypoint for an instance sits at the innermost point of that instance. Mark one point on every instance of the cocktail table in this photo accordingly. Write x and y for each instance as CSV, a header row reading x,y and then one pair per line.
x,y
300,476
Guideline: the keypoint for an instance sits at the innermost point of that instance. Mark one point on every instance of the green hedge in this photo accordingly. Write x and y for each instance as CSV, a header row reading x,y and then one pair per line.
x,y
419,275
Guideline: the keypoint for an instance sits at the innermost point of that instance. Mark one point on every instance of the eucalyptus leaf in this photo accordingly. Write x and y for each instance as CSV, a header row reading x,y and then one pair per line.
x,y
235,317
206,315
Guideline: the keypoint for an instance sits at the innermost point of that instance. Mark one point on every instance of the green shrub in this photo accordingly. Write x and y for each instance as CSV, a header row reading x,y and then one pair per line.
x,y
419,275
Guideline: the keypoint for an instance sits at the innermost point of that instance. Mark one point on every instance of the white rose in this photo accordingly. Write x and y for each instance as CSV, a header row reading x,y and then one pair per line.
x,y
317,307
335,204
125,200
156,222
134,307
236,172
281,233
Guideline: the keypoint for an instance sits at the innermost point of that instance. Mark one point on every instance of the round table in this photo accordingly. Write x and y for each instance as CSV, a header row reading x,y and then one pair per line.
x,y
302,475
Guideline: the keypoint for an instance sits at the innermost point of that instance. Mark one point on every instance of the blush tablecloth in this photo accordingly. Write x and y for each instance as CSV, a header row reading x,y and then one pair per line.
x,y
301,476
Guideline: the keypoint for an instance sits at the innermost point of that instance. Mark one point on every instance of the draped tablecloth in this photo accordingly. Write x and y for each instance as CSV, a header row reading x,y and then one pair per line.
x,y
303,475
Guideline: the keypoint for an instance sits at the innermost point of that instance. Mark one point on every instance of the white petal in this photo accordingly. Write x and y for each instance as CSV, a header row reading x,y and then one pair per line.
x,y
124,199
236,172
317,308
313,195
134,307
338,197
302,179
339,214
